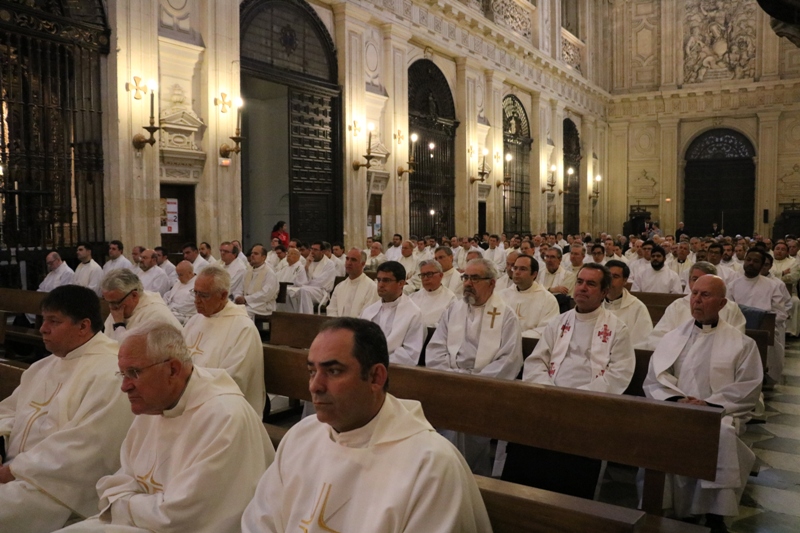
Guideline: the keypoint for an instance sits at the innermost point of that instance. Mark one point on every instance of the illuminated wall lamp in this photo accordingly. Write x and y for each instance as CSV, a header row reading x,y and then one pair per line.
x,y
411,163
595,194
139,140
369,157
482,170
506,181
551,180
225,150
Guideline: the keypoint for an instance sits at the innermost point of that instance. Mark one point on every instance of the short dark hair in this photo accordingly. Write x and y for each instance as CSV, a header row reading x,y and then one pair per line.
x,y
494,236
397,235
716,246
159,249
534,263
84,244
76,302
280,248
339,244
759,251
658,249
393,267
605,282
598,245
190,245
626,270
207,245
118,244
369,343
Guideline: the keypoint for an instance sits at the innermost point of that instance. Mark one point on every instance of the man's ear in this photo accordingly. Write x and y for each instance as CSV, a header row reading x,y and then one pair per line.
x,y
378,375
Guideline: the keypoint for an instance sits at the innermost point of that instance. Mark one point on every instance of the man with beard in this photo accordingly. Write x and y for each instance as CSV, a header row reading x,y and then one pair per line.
x,y
656,278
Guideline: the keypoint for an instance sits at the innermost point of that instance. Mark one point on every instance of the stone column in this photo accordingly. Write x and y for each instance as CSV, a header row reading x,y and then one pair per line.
x,y
767,170
349,23
493,105
669,176
539,165
617,187
671,48
588,172
769,49
557,114
466,200
600,215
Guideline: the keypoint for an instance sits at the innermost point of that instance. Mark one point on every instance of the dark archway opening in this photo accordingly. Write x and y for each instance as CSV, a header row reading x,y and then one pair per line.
x,y
572,181
516,181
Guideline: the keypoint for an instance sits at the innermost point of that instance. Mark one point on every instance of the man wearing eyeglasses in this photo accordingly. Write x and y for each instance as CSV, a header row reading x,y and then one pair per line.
x,y
195,451
130,305
478,335
434,297
64,424
399,318
58,273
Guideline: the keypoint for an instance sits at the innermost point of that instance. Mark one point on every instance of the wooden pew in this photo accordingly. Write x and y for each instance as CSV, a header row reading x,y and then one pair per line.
x,y
295,329
657,302
662,434
10,376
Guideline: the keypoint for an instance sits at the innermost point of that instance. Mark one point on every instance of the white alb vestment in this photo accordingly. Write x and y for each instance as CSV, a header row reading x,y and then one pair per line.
x,y
321,276
229,340
452,280
461,263
170,271
503,282
260,290
588,351
236,270
559,278
422,255
200,263
374,261
273,259
401,322
498,255
727,274
790,279
433,303
649,279
295,273
151,308
180,300
393,475
89,275
679,311
534,307
63,275
339,262
352,296
721,366
115,264
634,314
193,468
413,281
682,270
394,253
768,294
155,279
63,427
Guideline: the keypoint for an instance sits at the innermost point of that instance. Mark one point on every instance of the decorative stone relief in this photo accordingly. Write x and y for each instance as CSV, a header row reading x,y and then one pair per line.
x,y
643,143
790,133
511,15
789,183
372,63
181,157
379,179
483,191
571,54
719,40
479,101
645,31
175,20
544,5
643,186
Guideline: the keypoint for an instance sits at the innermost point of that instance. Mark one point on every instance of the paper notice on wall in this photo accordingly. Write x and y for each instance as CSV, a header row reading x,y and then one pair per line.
x,y
169,215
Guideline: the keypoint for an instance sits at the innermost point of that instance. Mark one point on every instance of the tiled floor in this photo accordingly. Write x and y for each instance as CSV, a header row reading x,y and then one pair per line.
x,y
771,501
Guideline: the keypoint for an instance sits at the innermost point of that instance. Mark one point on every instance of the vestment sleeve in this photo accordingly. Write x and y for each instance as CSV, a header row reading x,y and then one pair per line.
x,y
537,365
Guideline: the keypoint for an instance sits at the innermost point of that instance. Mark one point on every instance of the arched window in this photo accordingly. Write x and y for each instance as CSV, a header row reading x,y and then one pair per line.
x,y
516,179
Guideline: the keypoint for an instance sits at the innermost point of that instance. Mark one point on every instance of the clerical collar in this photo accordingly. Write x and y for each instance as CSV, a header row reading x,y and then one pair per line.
x,y
681,262
359,437
388,305
616,299
706,327
592,315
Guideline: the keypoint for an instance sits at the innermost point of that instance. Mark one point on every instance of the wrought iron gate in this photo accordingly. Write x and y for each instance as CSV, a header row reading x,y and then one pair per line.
x,y
572,182
517,179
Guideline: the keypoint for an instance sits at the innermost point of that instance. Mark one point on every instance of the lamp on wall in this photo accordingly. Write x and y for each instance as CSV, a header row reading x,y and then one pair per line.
x,y
139,140
482,170
570,172
551,180
225,150
595,194
369,157
506,181
411,163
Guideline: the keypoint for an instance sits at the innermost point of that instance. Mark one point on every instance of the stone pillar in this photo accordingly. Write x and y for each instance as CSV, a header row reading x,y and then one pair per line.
x,y
557,131
671,48
539,165
767,170
493,99
669,176
395,63
588,172
349,23
617,187
466,200
769,49
601,208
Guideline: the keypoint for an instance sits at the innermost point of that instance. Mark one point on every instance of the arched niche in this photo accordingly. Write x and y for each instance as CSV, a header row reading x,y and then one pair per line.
x,y
516,173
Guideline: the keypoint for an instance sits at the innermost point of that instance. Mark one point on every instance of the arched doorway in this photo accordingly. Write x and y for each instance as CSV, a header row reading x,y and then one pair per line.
x,y
291,161
432,116
572,181
720,183
516,181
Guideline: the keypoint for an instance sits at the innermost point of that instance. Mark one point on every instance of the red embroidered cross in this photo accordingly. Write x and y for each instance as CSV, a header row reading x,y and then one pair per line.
x,y
552,369
564,329
605,333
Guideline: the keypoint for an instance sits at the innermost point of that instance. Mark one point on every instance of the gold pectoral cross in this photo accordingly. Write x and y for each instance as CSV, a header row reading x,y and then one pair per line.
x,y
494,314
322,499
195,349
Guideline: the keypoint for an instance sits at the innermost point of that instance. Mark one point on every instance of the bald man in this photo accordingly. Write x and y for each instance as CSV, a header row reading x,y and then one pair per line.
x,y
58,273
153,278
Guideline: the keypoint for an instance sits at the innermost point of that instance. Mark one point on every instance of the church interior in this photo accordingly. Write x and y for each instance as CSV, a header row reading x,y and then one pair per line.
x,y
164,122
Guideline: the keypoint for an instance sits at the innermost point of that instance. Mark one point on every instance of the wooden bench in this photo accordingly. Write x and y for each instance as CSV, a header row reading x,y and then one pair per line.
x,y
10,376
657,302
295,329
517,412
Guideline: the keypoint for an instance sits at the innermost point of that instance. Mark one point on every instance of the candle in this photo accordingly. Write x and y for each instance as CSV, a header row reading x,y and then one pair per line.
x,y
238,103
153,86
370,127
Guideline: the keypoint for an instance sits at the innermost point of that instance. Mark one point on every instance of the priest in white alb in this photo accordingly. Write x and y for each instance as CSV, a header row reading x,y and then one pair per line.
x,y
534,306
434,297
321,274
787,269
260,287
153,278
221,335
367,461
451,277
194,454
180,298
357,291
192,254
58,273
707,362
115,258
554,277
88,273
478,335
63,425
162,258
587,348
229,260
626,306
399,318
679,311
655,277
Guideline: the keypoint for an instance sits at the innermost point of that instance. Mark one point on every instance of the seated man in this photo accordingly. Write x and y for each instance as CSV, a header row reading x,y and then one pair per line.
x,y
365,453
65,422
131,305
321,273
194,454
293,270
153,278
88,273
357,292
236,268
679,311
192,254
115,258
58,273
221,335
587,348
707,362
555,277
626,306
451,278
162,258
180,298
534,306
434,297
399,318
654,277
478,335
376,257
260,286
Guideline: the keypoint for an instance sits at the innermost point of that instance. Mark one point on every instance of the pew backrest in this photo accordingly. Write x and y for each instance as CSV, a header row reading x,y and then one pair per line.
x,y
657,302
295,329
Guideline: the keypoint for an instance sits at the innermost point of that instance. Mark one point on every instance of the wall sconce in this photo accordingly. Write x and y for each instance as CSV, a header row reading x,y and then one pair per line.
x,y
482,170
570,172
369,157
595,194
411,162
506,182
225,150
356,129
139,140
551,180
